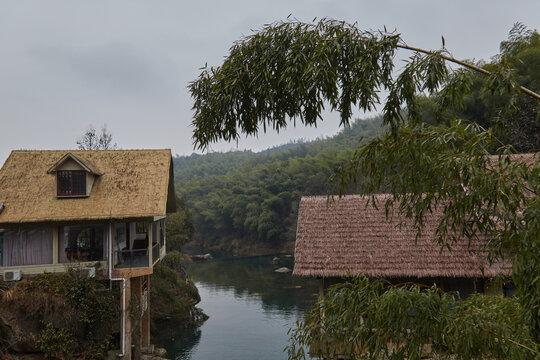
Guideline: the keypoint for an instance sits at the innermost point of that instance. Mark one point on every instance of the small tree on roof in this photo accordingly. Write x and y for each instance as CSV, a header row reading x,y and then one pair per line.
x,y
92,140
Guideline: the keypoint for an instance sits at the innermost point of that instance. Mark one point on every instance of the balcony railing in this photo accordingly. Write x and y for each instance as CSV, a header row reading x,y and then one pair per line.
x,y
131,258
155,253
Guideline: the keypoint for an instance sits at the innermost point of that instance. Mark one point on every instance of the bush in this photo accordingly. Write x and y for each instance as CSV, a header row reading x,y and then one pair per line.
x,y
70,315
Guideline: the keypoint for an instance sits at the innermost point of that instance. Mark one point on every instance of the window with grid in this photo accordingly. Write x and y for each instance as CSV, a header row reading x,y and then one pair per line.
x,y
71,182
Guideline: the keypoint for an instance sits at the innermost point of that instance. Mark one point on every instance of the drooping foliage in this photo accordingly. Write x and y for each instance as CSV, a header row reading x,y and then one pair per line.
x,y
290,70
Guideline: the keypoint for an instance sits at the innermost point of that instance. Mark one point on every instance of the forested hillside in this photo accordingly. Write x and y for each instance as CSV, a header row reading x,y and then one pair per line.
x,y
246,203
245,200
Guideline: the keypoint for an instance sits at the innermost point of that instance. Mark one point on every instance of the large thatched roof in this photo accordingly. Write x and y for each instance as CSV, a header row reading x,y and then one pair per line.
x,y
345,238
131,184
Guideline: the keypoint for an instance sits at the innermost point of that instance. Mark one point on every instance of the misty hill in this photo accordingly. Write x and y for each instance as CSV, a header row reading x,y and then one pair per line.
x,y
245,202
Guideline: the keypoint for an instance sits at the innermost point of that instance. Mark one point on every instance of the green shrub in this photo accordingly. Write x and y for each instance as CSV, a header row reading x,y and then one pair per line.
x,y
56,343
66,311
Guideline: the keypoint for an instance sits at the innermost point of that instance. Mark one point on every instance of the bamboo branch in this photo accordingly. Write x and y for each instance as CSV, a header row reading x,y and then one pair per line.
x,y
467,65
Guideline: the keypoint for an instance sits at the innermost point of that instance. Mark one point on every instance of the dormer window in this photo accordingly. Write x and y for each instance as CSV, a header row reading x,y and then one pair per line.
x,y
71,182
74,176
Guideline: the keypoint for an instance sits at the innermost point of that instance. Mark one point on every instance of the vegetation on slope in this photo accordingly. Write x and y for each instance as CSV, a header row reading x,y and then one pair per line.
x,y
173,295
64,316
240,199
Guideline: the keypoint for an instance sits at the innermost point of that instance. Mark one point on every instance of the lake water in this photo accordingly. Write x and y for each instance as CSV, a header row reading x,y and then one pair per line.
x,y
250,309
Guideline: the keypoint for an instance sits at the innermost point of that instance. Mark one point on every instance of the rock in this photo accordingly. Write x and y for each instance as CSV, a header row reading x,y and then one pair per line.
x,y
204,257
161,352
276,260
148,349
283,270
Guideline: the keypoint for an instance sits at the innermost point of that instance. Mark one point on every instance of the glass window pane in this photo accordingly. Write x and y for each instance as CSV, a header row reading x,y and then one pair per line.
x,y
79,182
82,243
64,183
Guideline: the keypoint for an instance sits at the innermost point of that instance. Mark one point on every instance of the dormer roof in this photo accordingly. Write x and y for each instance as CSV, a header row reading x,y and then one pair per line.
x,y
84,164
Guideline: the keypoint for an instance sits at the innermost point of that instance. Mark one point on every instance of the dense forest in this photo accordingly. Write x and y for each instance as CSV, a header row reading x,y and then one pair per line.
x,y
246,203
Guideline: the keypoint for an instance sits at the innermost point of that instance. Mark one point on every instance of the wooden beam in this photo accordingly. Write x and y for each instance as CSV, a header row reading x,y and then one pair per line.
x,y
132,272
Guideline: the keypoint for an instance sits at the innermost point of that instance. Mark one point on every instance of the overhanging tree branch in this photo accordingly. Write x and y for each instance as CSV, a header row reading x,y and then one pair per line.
x,y
292,70
465,64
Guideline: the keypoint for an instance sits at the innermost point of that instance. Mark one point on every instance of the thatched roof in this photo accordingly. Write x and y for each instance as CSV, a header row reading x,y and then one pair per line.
x,y
85,164
345,238
131,184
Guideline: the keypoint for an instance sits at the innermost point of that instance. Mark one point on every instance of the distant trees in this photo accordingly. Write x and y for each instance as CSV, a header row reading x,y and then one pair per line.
x,y
253,197
94,140
514,118
179,229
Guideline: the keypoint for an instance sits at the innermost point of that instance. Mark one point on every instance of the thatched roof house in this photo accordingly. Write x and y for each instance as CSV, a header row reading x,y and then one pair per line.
x,y
125,184
346,237
102,212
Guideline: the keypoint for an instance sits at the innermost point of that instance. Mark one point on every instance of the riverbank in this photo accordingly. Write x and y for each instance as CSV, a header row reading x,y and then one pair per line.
x,y
68,315
238,249
250,308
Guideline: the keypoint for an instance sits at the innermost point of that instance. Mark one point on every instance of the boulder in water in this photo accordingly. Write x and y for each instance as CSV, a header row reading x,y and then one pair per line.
x,y
204,257
283,270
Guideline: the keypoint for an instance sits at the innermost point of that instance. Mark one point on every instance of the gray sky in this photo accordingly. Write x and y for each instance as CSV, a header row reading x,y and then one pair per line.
x,y
68,64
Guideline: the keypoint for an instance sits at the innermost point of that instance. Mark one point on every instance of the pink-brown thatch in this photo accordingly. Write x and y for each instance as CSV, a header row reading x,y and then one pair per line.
x,y
344,238
131,184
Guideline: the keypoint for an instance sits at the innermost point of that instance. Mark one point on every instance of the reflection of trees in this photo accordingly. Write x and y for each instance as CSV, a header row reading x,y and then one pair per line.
x,y
256,276
180,341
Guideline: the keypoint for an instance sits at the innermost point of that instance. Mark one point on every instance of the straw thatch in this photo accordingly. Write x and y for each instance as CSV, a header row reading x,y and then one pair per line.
x,y
345,237
84,164
131,184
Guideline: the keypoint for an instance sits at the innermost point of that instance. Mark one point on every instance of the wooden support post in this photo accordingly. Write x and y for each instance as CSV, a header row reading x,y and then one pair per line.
x,y
321,288
145,306
137,294
126,331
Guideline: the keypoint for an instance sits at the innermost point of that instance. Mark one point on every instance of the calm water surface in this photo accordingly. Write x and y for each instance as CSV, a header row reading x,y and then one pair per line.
x,y
251,308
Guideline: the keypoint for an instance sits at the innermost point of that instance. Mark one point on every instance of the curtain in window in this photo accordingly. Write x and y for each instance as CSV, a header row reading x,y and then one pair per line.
x,y
27,247
82,243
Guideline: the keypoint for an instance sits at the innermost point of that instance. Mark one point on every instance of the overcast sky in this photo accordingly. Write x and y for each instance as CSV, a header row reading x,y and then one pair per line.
x,y
65,65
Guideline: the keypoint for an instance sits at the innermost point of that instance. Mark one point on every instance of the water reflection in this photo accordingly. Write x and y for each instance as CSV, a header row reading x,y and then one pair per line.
x,y
180,341
250,307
